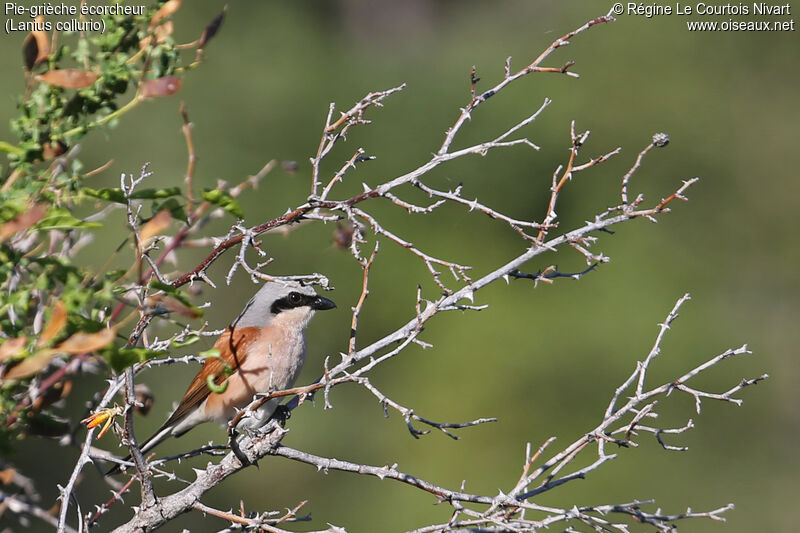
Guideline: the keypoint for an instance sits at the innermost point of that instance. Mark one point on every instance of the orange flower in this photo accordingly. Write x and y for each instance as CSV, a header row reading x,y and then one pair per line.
x,y
104,415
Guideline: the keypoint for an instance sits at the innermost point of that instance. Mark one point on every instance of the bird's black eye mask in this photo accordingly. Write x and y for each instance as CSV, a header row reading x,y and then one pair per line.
x,y
298,299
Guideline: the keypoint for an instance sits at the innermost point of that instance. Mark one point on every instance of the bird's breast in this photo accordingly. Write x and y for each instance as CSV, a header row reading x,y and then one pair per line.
x,y
274,360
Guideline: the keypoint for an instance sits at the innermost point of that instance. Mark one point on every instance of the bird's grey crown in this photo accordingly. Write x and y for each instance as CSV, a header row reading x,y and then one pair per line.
x,y
257,313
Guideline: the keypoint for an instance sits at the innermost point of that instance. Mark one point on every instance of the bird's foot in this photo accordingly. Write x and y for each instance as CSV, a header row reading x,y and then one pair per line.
x,y
282,414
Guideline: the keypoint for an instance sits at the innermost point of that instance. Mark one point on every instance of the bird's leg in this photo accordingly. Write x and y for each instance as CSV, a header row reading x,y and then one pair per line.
x,y
282,414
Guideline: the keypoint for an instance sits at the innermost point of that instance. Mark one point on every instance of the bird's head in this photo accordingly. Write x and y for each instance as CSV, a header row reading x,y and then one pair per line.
x,y
283,302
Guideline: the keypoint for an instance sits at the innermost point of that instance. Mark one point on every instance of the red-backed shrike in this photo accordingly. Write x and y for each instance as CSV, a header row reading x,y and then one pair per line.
x,y
262,350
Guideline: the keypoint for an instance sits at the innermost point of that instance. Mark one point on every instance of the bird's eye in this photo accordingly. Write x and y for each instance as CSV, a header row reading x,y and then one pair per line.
x,y
295,298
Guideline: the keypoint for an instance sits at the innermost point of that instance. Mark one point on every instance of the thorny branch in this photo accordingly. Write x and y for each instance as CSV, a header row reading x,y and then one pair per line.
x,y
503,508
620,423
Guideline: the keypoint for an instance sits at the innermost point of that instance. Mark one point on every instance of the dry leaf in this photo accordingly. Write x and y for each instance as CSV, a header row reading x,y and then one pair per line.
x,y
23,221
155,225
51,150
343,236
7,476
144,399
211,30
57,391
164,30
42,42
161,33
54,326
12,347
30,365
87,342
166,303
36,46
68,78
166,10
160,87
30,51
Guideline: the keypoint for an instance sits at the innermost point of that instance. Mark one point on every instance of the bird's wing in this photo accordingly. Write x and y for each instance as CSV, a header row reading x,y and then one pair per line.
x,y
232,347
197,392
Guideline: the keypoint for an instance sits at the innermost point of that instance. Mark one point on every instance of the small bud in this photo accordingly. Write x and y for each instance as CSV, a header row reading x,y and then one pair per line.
x,y
660,140
144,399
343,236
54,149
58,391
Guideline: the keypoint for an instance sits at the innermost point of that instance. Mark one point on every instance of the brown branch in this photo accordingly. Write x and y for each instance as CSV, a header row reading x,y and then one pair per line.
x,y
366,265
259,522
116,496
510,78
192,159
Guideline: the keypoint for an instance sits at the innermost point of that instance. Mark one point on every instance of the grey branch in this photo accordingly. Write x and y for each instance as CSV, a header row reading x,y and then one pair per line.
x,y
620,423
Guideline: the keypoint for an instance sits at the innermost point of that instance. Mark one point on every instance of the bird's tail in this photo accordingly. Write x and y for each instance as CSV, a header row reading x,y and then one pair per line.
x,y
155,439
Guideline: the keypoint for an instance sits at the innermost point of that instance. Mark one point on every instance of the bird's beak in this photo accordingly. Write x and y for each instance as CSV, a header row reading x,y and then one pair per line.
x,y
320,303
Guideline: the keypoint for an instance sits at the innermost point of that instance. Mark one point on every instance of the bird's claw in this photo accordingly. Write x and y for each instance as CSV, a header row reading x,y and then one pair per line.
x,y
282,414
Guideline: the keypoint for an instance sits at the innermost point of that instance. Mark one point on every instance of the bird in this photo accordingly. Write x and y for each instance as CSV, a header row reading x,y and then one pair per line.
x,y
262,350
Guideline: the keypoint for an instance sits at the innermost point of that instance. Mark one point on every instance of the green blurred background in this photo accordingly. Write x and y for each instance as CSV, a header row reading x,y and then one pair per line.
x,y
544,361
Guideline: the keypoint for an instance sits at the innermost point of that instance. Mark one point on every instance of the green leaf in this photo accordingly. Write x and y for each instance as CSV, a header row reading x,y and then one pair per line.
x,y
213,387
172,291
115,194
191,339
174,207
59,218
115,275
150,194
212,353
224,200
111,195
79,323
12,205
121,358
166,287
11,149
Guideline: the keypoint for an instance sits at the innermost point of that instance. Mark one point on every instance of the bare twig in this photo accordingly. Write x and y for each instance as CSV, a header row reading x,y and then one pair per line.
x,y
633,407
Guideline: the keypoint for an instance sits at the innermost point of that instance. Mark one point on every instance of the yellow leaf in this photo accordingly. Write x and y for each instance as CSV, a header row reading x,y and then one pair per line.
x,y
23,221
169,8
12,347
30,365
87,342
155,225
161,33
54,326
7,476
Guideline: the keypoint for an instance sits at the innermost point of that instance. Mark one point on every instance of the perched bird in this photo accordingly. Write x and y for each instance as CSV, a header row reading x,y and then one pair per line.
x,y
262,350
